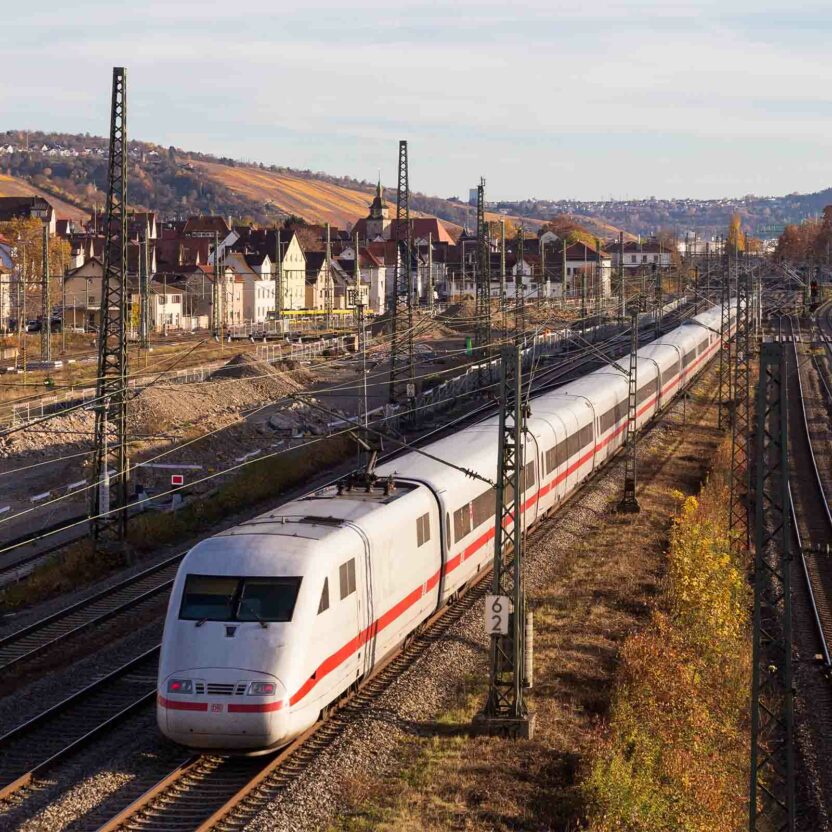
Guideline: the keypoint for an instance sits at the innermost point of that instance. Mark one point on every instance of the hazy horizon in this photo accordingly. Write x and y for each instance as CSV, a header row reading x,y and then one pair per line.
x,y
619,100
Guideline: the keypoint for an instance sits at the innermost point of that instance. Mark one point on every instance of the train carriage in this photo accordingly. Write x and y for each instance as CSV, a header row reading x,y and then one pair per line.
x,y
270,622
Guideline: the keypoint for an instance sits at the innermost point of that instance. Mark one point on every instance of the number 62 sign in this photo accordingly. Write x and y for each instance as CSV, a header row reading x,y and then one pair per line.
x,y
497,609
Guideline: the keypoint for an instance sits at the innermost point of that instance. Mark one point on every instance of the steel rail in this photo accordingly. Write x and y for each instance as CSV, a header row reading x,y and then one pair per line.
x,y
71,711
157,800
827,659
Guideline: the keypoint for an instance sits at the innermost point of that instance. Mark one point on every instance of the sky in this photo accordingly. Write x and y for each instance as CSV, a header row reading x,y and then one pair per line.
x,y
545,99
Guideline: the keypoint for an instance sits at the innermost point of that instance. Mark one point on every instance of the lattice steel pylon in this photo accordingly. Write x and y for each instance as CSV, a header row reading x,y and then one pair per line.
x,y
329,288
482,330
505,711
629,501
519,294
657,302
111,387
772,776
216,293
724,391
402,367
278,279
144,289
622,295
740,474
46,302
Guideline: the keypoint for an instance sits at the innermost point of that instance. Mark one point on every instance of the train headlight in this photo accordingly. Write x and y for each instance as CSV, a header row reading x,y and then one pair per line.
x,y
180,686
262,689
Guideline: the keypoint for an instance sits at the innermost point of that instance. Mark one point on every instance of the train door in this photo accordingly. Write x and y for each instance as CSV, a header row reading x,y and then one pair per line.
x,y
367,624
531,478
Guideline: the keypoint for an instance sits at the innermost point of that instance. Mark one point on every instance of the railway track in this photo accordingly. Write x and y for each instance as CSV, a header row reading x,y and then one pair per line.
x,y
210,792
32,748
147,586
206,791
214,792
127,595
811,516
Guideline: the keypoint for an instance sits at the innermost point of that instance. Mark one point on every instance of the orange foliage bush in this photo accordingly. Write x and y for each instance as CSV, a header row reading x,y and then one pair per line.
x,y
674,755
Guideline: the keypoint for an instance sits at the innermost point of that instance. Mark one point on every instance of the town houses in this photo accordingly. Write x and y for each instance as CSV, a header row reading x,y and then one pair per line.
x,y
189,264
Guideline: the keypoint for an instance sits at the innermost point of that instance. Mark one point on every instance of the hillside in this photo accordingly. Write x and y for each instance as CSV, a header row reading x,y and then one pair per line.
x,y
72,169
11,186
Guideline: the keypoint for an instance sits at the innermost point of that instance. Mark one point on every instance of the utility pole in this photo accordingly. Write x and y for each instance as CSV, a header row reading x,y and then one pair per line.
x,y
519,294
431,286
657,302
505,712
599,292
278,281
629,502
503,276
217,312
740,475
482,330
724,394
144,289
402,367
362,340
622,297
111,387
583,301
328,286
46,302
772,780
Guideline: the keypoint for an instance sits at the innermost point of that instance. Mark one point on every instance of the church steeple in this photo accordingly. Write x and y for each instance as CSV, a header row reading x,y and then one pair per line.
x,y
378,207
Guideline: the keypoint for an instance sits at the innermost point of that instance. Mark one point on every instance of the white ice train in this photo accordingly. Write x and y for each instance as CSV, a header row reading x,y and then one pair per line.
x,y
271,621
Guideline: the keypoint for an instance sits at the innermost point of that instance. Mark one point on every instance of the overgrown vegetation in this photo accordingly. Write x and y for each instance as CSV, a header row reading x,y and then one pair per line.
x,y
673,757
262,480
257,483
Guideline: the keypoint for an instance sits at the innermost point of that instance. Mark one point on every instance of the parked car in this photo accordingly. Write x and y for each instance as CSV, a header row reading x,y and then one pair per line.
x,y
33,326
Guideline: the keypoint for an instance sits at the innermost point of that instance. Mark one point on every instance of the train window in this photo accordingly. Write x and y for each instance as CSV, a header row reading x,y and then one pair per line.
x,y
646,391
323,604
573,445
209,597
484,506
551,459
689,356
346,573
267,599
585,436
560,453
225,598
527,479
422,529
462,522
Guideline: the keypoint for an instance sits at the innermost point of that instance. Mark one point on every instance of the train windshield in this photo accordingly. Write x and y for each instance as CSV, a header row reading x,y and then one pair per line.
x,y
223,598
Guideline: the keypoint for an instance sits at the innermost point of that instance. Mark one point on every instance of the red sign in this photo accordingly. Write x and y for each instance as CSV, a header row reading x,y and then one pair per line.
x,y
177,479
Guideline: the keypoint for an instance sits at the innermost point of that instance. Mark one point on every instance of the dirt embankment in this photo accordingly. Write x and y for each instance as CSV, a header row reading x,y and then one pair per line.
x,y
212,424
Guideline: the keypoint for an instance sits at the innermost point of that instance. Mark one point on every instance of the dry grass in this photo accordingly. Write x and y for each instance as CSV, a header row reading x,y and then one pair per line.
x,y
600,593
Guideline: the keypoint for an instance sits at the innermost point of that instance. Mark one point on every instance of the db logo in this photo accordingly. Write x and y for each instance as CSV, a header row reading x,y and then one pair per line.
x,y
216,709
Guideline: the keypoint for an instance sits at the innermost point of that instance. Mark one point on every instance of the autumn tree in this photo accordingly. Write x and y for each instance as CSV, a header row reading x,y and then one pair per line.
x,y
567,229
735,242
26,239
